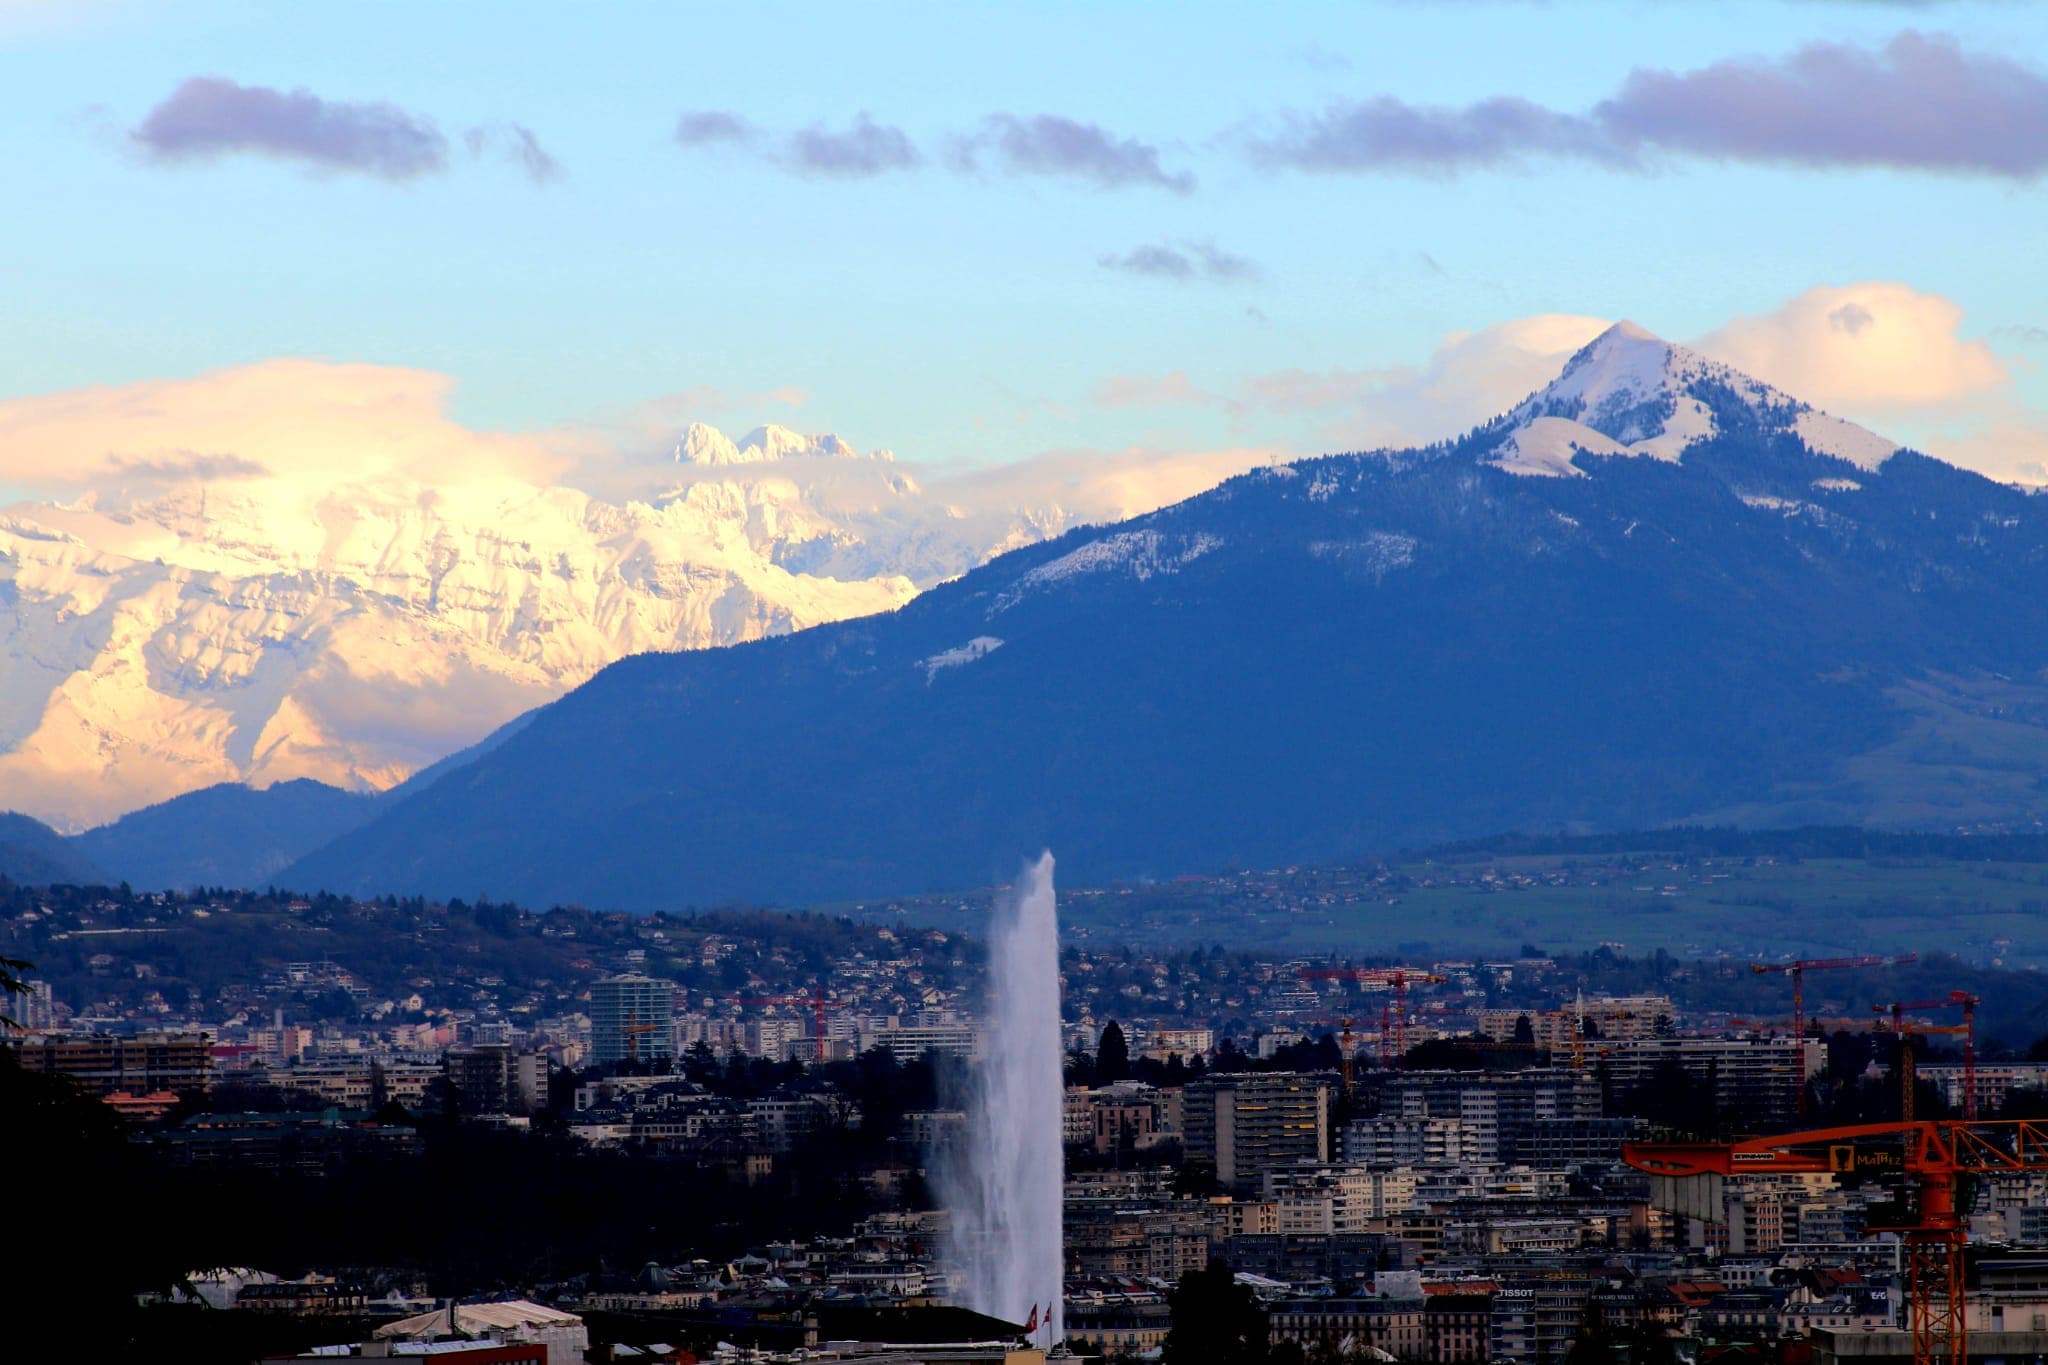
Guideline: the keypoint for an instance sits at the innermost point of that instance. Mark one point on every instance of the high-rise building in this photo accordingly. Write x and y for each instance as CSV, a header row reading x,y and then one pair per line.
x,y
35,1008
631,1018
1250,1123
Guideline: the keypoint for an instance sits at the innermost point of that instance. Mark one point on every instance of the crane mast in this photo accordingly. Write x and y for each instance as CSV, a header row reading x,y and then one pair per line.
x,y
1797,970
1930,1154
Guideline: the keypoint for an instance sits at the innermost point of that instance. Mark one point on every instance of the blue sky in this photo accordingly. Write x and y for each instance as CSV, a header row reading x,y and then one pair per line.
x,y
966,317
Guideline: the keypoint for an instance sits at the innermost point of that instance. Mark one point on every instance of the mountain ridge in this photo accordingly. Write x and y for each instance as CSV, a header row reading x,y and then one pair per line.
x,y
33,854
224,835
252,629
1314,660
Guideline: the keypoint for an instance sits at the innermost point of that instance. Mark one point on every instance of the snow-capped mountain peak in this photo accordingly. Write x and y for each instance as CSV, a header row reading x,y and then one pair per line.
x,y
1628,392
258,630
703,444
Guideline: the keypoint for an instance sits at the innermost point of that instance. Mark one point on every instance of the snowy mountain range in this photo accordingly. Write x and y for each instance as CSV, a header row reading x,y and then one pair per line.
x,y
1654,591
230,629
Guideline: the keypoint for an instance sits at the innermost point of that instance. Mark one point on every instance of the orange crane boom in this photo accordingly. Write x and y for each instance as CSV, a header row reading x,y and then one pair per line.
x,y
1931,1154
1904,1028
632,1029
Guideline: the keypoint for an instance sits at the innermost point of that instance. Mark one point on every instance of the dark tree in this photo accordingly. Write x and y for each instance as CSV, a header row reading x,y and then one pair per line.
x,y
2025,1102
13,981
1675,1099
1216,1321
1112,1055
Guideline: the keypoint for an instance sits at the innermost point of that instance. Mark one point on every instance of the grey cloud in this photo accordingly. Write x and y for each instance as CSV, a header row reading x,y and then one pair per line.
x,y
540,167
1923,103
866,148
1045,144
1190,261
2023,334
210,116
1316,57
710,127
186,464
1920,103
1386,133
1048,144
520,147
1851,318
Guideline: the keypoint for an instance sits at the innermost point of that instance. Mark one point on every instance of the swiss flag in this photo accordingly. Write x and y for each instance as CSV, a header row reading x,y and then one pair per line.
x,y
1031,1323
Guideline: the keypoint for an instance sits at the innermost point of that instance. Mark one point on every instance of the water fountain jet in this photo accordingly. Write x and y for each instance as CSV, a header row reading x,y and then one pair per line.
x,y
1002,1188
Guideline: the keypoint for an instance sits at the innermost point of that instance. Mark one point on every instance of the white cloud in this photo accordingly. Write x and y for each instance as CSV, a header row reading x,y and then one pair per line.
x,y
1173,389
1894,358
2011,447
1862,347
1880,353
318,425
1469,378
1099,485
290,418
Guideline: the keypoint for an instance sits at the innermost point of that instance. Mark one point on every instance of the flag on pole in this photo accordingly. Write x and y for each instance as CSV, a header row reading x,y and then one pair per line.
x,y
1031,1323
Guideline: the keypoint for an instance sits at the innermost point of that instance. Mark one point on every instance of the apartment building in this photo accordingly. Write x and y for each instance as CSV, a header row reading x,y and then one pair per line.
x,y
106,1065
1247,1124
631,1017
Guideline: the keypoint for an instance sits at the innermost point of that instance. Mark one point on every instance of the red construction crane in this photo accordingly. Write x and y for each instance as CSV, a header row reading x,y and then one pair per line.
x,y
817,1002
1930,1154
1904,1028
1797,971
1394,1019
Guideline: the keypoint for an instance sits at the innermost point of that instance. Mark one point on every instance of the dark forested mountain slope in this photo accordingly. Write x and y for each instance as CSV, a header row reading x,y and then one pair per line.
x,y
223,835
33,854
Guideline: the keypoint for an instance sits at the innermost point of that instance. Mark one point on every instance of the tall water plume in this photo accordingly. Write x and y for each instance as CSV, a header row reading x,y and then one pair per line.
x,y
1002,1187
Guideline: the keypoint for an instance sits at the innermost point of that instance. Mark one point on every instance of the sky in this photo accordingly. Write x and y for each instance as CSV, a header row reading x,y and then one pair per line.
x,y
1043,236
